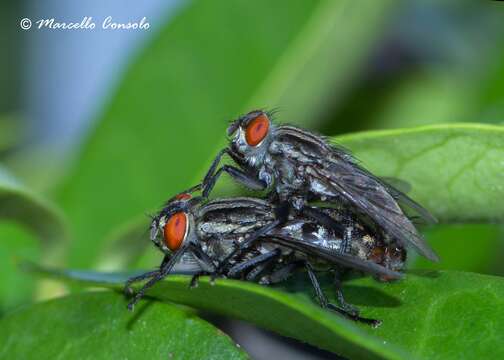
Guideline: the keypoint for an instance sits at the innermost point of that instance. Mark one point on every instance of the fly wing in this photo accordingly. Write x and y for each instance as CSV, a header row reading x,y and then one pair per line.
x,y
333,257
338,171
370,196
398,188
397,184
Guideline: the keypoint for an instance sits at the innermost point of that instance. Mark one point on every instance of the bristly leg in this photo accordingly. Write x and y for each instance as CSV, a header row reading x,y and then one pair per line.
x,y
203,257
265,268
324,303
127,286
246,244
324,219
239,175
195,281
239,268
165,269
284,272
341,299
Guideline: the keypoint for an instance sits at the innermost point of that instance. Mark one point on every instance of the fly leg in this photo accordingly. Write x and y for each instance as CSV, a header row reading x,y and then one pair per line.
x,y
127,286
324,302
248,180
215,163
235,157
194,281
341,299
259,259
283,272
348,233
261,273
206,261
191,190
241,248
163,272
239,175
321,217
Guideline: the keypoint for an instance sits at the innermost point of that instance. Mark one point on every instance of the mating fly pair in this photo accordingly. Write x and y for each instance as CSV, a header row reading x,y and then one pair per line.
x,y
358,222
299,167
244,238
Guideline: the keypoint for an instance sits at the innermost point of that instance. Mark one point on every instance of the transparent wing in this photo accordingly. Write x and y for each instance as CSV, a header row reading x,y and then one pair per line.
x,y
370,196
398,188
336,168
334,257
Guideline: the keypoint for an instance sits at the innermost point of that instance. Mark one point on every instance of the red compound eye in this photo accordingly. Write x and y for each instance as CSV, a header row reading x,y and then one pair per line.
x,y
183,196
175,231
257,130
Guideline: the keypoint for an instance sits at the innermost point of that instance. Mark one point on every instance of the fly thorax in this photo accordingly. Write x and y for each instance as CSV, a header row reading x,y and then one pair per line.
x,y
255,159
298,202
286,183
192,234
266,176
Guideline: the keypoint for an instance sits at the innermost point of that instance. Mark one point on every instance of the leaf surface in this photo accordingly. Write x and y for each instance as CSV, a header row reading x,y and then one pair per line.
x,y
19,204
456,171
97,325
430,314
30,226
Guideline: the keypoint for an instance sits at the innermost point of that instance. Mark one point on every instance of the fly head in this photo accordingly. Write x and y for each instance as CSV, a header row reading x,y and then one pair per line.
x,y
251,136
174,225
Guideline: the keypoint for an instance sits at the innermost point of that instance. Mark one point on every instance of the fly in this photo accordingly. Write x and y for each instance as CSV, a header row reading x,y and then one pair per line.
x,y
300,167
243,238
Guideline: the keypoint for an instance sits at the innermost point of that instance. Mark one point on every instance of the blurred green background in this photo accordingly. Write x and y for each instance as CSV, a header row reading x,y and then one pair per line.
x,y
104,126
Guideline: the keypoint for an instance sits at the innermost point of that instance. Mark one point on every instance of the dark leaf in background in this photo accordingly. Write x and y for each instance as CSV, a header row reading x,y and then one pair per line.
x,y
30,228
17,203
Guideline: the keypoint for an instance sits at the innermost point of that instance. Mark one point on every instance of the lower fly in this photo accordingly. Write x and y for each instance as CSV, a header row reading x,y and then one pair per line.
x,y
242,238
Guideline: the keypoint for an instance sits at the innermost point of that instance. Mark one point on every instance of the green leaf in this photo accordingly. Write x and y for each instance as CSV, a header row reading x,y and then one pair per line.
x,y
465,247
456,171
98,326
209,64
291,315
430,314
19,204
25,218
440,315
16,287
